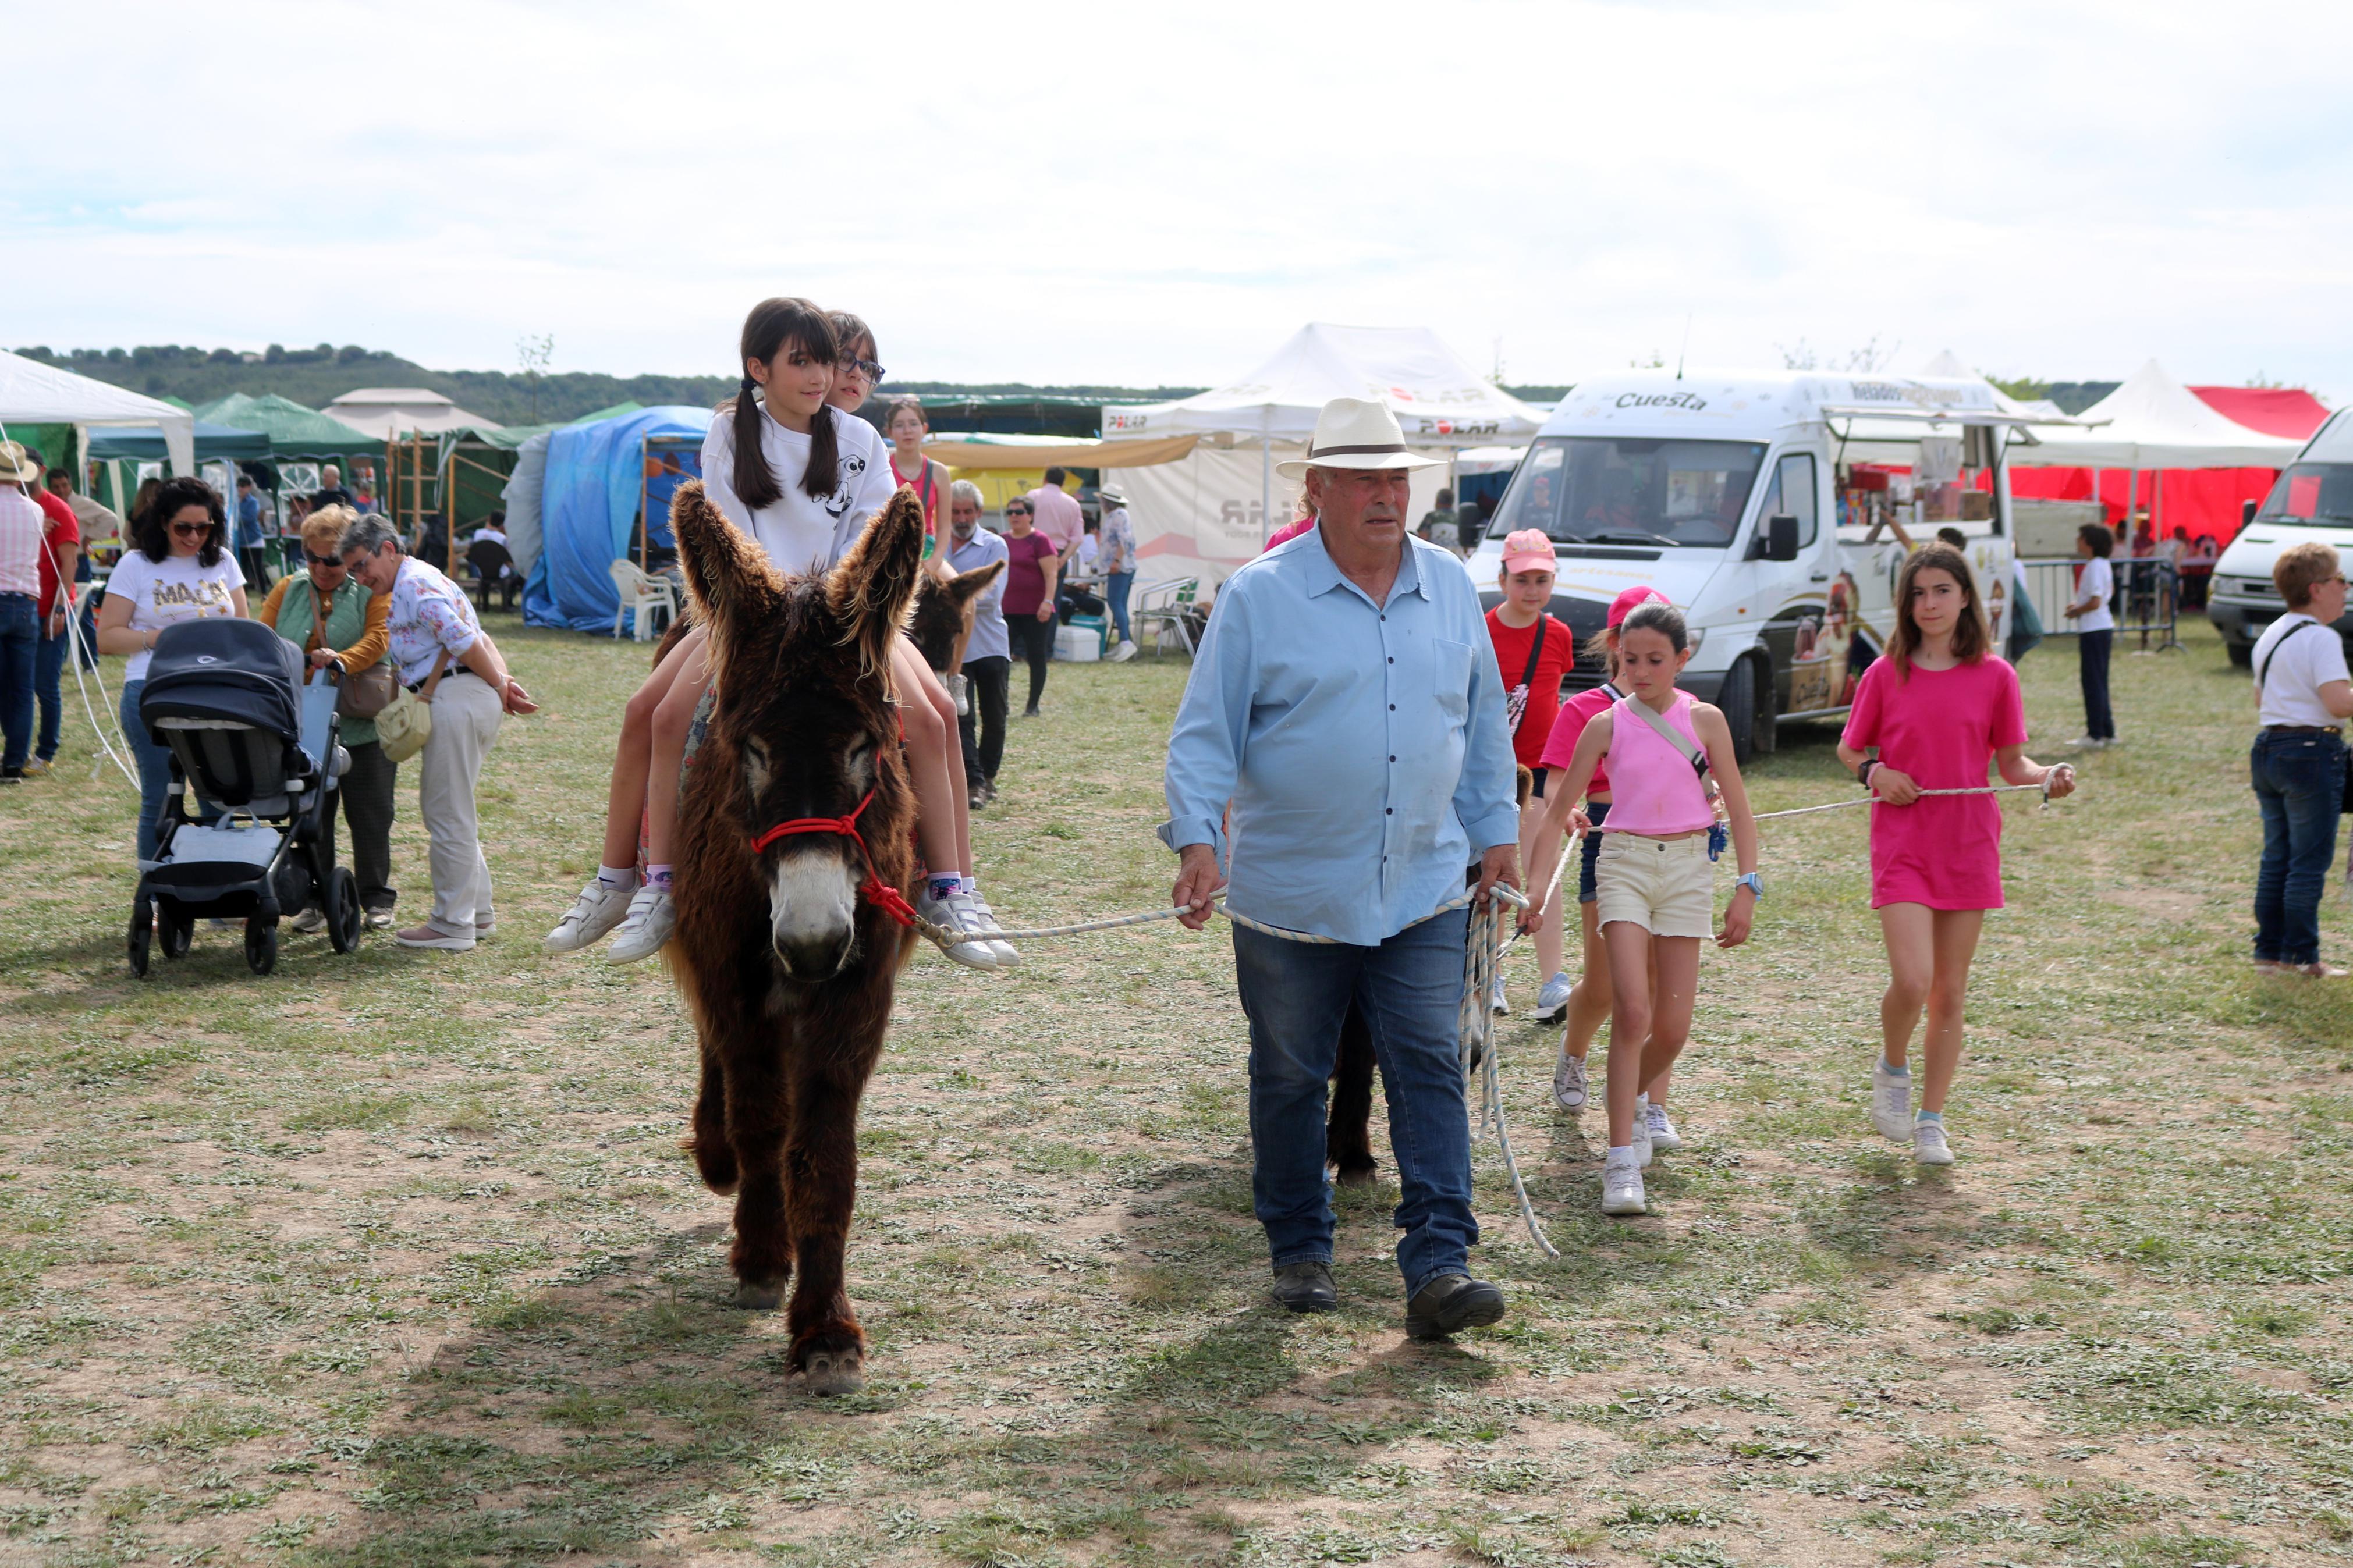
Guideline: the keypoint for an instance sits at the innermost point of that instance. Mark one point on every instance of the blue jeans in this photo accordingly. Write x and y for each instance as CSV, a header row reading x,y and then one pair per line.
x,y
2299,782
1409,990
20,640
49,674
2093,650
154,769
1115,590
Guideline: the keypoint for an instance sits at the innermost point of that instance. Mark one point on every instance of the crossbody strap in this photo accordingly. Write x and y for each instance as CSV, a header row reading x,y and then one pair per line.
x,y
2265,673
1536,653
1697,756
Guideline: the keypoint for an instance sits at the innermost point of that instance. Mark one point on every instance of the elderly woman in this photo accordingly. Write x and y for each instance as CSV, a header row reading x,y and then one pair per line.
x,y
2304,696
440,652
336,621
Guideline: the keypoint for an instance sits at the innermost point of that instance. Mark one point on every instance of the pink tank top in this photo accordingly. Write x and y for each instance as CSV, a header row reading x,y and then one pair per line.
x,y
1655,787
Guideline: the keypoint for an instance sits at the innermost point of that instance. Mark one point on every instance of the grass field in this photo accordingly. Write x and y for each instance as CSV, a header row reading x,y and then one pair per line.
x,y
393,1259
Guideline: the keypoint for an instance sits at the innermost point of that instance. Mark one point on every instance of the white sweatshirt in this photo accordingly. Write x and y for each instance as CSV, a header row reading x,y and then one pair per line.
x,y
801,533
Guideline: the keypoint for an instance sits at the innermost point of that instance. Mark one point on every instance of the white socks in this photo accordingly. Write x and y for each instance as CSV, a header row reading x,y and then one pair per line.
x,y
617,877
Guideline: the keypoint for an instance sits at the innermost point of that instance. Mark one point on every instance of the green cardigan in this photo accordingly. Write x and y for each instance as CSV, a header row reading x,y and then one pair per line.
x,y
346,624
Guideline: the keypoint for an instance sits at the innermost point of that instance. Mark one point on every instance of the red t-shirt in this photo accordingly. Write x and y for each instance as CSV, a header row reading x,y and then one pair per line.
x,y
63,527
1567,725
1559,656
1942,727
1024,573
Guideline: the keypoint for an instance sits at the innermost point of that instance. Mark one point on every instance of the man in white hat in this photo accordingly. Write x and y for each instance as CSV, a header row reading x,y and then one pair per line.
x,y
22,531
1344,701
1117,543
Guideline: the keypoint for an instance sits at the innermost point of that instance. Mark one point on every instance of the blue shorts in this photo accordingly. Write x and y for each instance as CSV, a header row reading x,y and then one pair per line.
x,y
1589,853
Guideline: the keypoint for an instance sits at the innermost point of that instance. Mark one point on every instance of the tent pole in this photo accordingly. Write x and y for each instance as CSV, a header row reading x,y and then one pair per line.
x,y
645,519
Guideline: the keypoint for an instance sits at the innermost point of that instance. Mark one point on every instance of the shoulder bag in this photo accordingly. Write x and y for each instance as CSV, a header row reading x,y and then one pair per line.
x,y
1515,701
403,724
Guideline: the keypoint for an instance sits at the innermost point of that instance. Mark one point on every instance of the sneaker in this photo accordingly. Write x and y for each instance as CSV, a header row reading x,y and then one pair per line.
x,y
975,797
596,912
1928,1144
1891,1102
1552,1002
1664,1136
434,937
1497,1003
978,916
1031,714
1641,1143
39,768
653,915
485,930
1622,1184
2085,743
1123,652
379,920
2315,970
988,788
944,912
310,920
1568,1089
12,776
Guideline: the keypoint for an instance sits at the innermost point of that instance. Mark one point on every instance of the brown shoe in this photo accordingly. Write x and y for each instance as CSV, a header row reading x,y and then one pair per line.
x,y
2314,971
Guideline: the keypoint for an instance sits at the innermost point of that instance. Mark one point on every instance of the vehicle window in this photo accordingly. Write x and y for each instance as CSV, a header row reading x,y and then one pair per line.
x,y
1609,490
1791,490
2320,494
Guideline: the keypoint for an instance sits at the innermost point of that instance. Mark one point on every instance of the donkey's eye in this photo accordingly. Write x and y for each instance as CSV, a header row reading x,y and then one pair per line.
x,y
858,764
756,766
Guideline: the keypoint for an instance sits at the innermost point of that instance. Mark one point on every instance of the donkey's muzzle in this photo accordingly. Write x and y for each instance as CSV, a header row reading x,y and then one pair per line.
x,y
813,915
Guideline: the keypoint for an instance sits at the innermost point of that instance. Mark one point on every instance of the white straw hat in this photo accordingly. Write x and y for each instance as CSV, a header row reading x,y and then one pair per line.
x,y
1355,433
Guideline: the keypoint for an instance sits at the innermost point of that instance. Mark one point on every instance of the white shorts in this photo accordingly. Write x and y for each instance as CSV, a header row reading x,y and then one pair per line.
x,y
1665,886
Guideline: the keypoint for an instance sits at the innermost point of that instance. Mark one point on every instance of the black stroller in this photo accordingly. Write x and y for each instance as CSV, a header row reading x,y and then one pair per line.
x,y
259,746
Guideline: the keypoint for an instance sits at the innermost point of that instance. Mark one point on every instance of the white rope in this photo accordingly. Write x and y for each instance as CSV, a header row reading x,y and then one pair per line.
x,y
107,753
2044,787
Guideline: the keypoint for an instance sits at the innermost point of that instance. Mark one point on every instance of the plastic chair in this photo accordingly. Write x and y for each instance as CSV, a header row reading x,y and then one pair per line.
x,y
1168,606
641,597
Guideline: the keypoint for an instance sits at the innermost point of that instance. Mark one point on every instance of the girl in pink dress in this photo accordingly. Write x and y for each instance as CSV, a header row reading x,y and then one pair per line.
x,y
1938,708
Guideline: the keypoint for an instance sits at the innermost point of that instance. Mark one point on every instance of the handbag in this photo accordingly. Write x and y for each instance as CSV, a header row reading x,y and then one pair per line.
x,y
359,693
403,724
1515,701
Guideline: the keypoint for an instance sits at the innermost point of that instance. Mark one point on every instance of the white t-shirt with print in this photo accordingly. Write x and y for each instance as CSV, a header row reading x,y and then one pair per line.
x,y
802,533
2098,578
2292,665
164,594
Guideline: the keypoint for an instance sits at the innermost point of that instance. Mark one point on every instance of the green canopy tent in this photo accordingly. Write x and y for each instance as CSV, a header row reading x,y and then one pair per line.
x,y
120,454
297,434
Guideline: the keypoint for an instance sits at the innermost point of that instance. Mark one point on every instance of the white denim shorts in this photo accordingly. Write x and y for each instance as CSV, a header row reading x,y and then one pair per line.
x,y
1665,886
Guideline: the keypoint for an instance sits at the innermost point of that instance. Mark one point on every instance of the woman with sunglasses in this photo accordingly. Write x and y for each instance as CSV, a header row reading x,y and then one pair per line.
x,y
331,615
178,569
1029,593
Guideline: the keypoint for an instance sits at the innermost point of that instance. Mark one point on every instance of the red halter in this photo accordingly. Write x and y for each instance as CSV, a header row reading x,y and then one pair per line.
x,y
874,890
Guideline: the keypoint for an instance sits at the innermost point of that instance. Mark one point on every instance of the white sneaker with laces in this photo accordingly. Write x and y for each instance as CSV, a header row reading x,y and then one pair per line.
x,y
310,920
1641,1144
1928,1144
1891,1102
978,916
945,912
1568,1089
1622,1184
1123,653
1664,1136
596,912
652,916
1497,1003
1552,1002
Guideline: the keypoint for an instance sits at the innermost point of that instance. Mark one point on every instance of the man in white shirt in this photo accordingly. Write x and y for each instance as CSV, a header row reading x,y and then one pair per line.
x,y
1058,515
2304,694
2095,624
23,527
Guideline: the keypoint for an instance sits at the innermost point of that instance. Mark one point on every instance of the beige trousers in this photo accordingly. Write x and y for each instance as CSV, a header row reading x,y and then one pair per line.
x,y
466,714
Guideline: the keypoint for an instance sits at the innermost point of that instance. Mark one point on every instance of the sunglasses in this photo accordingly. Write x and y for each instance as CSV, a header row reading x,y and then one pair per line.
x,y
870,369
324,560
192,530
1017,512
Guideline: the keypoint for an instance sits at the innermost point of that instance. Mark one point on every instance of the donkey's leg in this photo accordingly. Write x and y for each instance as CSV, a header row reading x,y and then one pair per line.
x,y
759,1114
1347,1138
821,1187
714,1156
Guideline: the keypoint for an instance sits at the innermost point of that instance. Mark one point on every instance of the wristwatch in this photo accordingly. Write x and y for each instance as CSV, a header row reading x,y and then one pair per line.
x,y
1752,881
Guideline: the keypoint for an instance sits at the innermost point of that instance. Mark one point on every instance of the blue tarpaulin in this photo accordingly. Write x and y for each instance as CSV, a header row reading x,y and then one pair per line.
x,y
588,512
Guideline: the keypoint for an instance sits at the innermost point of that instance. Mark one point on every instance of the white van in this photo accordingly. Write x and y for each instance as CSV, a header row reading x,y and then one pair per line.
x,y
1774,509
2312,500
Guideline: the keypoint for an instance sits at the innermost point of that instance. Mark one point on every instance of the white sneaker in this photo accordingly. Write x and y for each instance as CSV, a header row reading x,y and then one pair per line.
x,y
945,912
1568,1081
1890,1101
1928,1144
1123,653
1552,1002
1498,1004
978,916
652,916
1641,1144
596,912
1664,1136
1622,1184
2086,743
310,920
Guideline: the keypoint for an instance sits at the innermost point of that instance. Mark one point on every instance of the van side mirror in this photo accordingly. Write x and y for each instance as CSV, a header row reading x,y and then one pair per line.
x,y
2246,512
1780,537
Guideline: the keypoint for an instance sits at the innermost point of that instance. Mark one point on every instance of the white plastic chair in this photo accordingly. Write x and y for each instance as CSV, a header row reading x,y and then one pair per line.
x,y
640,596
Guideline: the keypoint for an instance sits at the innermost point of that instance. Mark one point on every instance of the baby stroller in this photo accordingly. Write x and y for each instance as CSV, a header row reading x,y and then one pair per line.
x,y
259,746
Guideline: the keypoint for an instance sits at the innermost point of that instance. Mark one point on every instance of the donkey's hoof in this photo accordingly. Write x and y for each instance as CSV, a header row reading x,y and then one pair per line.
x,y
756,1298
1358,1176
833,1371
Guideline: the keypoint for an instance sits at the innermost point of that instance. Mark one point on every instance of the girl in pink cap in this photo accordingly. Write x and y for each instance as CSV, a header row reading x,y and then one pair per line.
x,y
1535,654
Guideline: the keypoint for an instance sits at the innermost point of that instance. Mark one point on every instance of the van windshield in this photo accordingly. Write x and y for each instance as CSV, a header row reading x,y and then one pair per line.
x,y
1602,489
2319,495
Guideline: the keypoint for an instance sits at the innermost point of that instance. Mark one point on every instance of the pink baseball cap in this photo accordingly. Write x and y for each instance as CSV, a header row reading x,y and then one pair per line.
x,y
1528,548
1624,604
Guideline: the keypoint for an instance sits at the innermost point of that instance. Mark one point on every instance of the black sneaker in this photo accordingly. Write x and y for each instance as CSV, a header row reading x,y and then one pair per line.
x,y
1449,1302
1307,1288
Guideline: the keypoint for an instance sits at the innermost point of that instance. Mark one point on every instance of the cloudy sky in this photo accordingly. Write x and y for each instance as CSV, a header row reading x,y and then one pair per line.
x,y
1159,195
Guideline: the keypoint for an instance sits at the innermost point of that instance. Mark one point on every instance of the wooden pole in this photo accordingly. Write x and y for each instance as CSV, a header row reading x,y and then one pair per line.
x,y
645,518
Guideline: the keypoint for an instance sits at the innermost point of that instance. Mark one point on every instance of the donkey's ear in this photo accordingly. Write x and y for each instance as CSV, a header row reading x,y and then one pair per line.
x,y
728,573
873,588
965,586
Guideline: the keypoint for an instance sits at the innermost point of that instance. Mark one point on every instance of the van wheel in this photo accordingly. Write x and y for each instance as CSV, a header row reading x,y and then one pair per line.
x,y
1765,729
1738,702
2243,654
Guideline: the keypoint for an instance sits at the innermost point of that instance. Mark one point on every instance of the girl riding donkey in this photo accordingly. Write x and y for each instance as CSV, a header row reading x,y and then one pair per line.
x,y
801,478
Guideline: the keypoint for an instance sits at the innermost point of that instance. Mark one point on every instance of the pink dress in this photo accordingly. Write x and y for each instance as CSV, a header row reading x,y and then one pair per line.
x,y
1942,727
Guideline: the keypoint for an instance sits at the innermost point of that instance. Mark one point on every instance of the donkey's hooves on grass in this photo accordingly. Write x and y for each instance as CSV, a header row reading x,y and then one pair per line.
x,y
1363,1176
833,1371
754,1298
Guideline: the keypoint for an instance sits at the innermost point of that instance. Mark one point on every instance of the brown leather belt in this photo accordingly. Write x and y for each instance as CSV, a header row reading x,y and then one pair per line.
x,y
2302,730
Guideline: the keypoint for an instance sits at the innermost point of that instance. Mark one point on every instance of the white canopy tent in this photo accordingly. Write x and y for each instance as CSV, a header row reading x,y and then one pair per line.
x,y
2152,421
1205,515
31,392
385,412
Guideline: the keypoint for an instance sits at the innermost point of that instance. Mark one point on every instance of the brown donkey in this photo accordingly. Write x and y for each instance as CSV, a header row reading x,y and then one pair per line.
x,y
794,852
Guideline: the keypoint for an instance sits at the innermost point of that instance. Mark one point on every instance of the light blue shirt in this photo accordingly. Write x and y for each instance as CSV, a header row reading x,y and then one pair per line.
x,y
1363,746
988,639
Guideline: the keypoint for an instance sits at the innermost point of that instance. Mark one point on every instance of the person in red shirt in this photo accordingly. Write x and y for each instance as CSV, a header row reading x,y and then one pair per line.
x,y
60,549
1534,653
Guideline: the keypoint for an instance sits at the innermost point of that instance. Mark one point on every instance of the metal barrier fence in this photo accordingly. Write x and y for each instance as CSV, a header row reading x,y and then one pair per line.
x,y
2147,603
